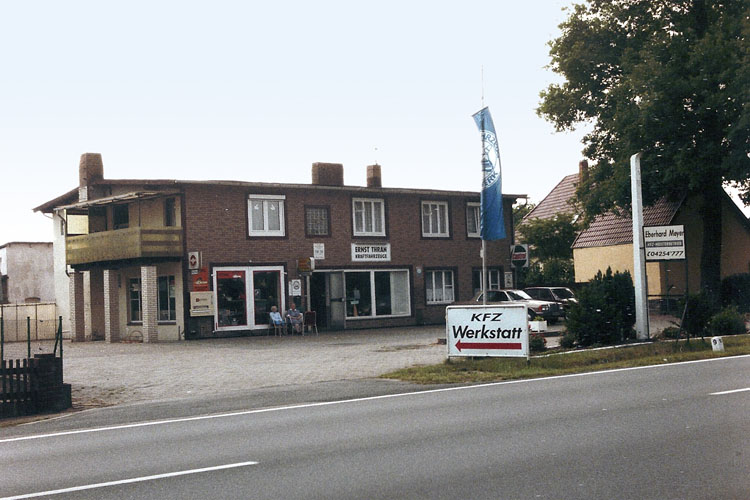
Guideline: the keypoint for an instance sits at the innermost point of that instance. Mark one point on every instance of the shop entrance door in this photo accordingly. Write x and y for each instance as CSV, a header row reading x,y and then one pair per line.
x,y
266,293
318,298
245,295
336,291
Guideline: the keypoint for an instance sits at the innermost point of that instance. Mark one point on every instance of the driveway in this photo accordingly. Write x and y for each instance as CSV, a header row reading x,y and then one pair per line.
x,y
105,374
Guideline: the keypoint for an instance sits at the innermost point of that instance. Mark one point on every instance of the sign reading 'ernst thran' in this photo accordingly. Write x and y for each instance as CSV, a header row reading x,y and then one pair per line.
x,y
380,252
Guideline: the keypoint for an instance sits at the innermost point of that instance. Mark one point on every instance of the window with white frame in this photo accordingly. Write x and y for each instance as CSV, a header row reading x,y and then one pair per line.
x,y
493,279
472,220
435,219
369,217
265,215
134,300
439,287
377,293
166,300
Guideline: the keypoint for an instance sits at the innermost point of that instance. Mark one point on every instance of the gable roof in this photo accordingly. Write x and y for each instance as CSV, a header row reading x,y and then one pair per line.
x,y
557,201
611,229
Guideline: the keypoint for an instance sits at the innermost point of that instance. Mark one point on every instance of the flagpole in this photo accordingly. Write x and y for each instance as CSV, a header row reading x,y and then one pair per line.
x,y
484,246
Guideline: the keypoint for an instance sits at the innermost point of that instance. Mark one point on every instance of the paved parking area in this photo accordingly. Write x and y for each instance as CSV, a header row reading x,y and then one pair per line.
x,y
105,374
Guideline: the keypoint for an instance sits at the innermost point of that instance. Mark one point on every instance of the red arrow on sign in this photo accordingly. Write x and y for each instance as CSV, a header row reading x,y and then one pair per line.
x,y
488,345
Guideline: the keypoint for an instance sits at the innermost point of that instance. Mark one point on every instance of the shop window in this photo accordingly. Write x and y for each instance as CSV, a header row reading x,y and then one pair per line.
x,y
317,221
120,217
472,220
435,219
439,287
369,217
377,293
231,298
266,215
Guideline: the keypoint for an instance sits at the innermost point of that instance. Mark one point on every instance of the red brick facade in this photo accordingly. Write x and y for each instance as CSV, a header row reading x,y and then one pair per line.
x,y
216,224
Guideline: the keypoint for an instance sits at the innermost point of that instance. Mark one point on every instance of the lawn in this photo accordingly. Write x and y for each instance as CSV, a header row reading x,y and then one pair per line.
x,y
469,370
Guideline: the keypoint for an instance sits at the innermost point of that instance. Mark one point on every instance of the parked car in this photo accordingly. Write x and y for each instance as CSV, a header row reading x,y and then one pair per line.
x,y
550,311
560,294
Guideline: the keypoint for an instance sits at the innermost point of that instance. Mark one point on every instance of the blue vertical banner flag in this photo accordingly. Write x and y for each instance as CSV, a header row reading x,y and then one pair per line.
x,y
492,225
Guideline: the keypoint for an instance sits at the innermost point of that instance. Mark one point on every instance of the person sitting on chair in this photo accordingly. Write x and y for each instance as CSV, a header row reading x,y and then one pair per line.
x,y
276,316
295,316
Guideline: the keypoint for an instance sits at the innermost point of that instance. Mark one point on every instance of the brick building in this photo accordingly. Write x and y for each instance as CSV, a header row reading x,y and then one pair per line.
x,y
168,259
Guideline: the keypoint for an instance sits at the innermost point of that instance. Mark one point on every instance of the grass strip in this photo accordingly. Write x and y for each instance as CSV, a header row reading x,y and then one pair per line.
x,y
558,362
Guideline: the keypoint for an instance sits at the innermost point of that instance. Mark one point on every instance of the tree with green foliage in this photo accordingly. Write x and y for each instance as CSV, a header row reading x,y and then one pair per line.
x,y
520,211
551,238
550,241
671,79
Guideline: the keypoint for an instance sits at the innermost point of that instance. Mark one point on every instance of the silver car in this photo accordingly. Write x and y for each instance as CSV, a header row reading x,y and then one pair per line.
x,y
550,311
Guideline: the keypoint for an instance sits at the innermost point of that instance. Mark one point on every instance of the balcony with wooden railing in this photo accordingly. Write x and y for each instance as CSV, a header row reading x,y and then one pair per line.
x,y
124,244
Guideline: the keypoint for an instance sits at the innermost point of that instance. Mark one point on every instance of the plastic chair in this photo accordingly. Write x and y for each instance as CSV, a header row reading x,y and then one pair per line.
x,y
278,329
310,321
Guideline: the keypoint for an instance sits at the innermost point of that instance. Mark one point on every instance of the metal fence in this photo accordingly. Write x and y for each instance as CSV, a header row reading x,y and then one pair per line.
x,y
37,320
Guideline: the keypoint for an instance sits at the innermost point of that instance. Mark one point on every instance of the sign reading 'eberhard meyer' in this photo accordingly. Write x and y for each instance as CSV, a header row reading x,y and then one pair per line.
x,y
664,242
362,252
496,330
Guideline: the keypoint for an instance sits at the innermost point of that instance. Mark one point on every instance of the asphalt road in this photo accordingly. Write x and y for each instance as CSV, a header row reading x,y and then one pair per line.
x,y
666,432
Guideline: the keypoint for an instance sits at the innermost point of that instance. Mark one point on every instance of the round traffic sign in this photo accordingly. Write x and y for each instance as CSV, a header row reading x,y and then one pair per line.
x,y
519,255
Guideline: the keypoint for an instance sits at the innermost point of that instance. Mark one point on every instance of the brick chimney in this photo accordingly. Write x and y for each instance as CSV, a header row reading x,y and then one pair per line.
x,y
90,170
327,174
583,171
374,179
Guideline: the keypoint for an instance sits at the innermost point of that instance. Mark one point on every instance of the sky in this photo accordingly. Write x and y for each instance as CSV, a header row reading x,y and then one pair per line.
x,y
259,91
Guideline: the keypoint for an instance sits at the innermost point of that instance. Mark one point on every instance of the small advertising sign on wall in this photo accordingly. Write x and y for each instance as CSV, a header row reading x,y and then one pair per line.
x,y
200,280
319,251
201,304
295,288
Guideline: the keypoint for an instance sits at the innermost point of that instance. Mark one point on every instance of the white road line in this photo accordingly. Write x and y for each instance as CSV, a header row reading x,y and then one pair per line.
x,y
354,400
730,392
128,481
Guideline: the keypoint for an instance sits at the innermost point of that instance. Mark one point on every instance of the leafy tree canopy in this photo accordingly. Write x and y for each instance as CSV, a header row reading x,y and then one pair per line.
x,y
520,211
669,78
550,238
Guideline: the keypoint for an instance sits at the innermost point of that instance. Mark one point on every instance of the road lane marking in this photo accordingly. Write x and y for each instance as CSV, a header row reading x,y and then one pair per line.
x,y
730,392
354,400
129,481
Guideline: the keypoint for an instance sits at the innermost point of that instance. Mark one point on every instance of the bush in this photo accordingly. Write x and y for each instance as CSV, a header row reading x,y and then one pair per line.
x,y
727,322
568,340
537,342
605,313
735,291
700,309
671,332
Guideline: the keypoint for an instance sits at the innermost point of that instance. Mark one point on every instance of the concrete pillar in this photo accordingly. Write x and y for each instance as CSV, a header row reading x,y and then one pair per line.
x,y
111,306
149,303
77,320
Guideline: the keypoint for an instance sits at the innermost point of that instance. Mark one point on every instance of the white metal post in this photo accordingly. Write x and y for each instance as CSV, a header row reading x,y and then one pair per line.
x,y
639,257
